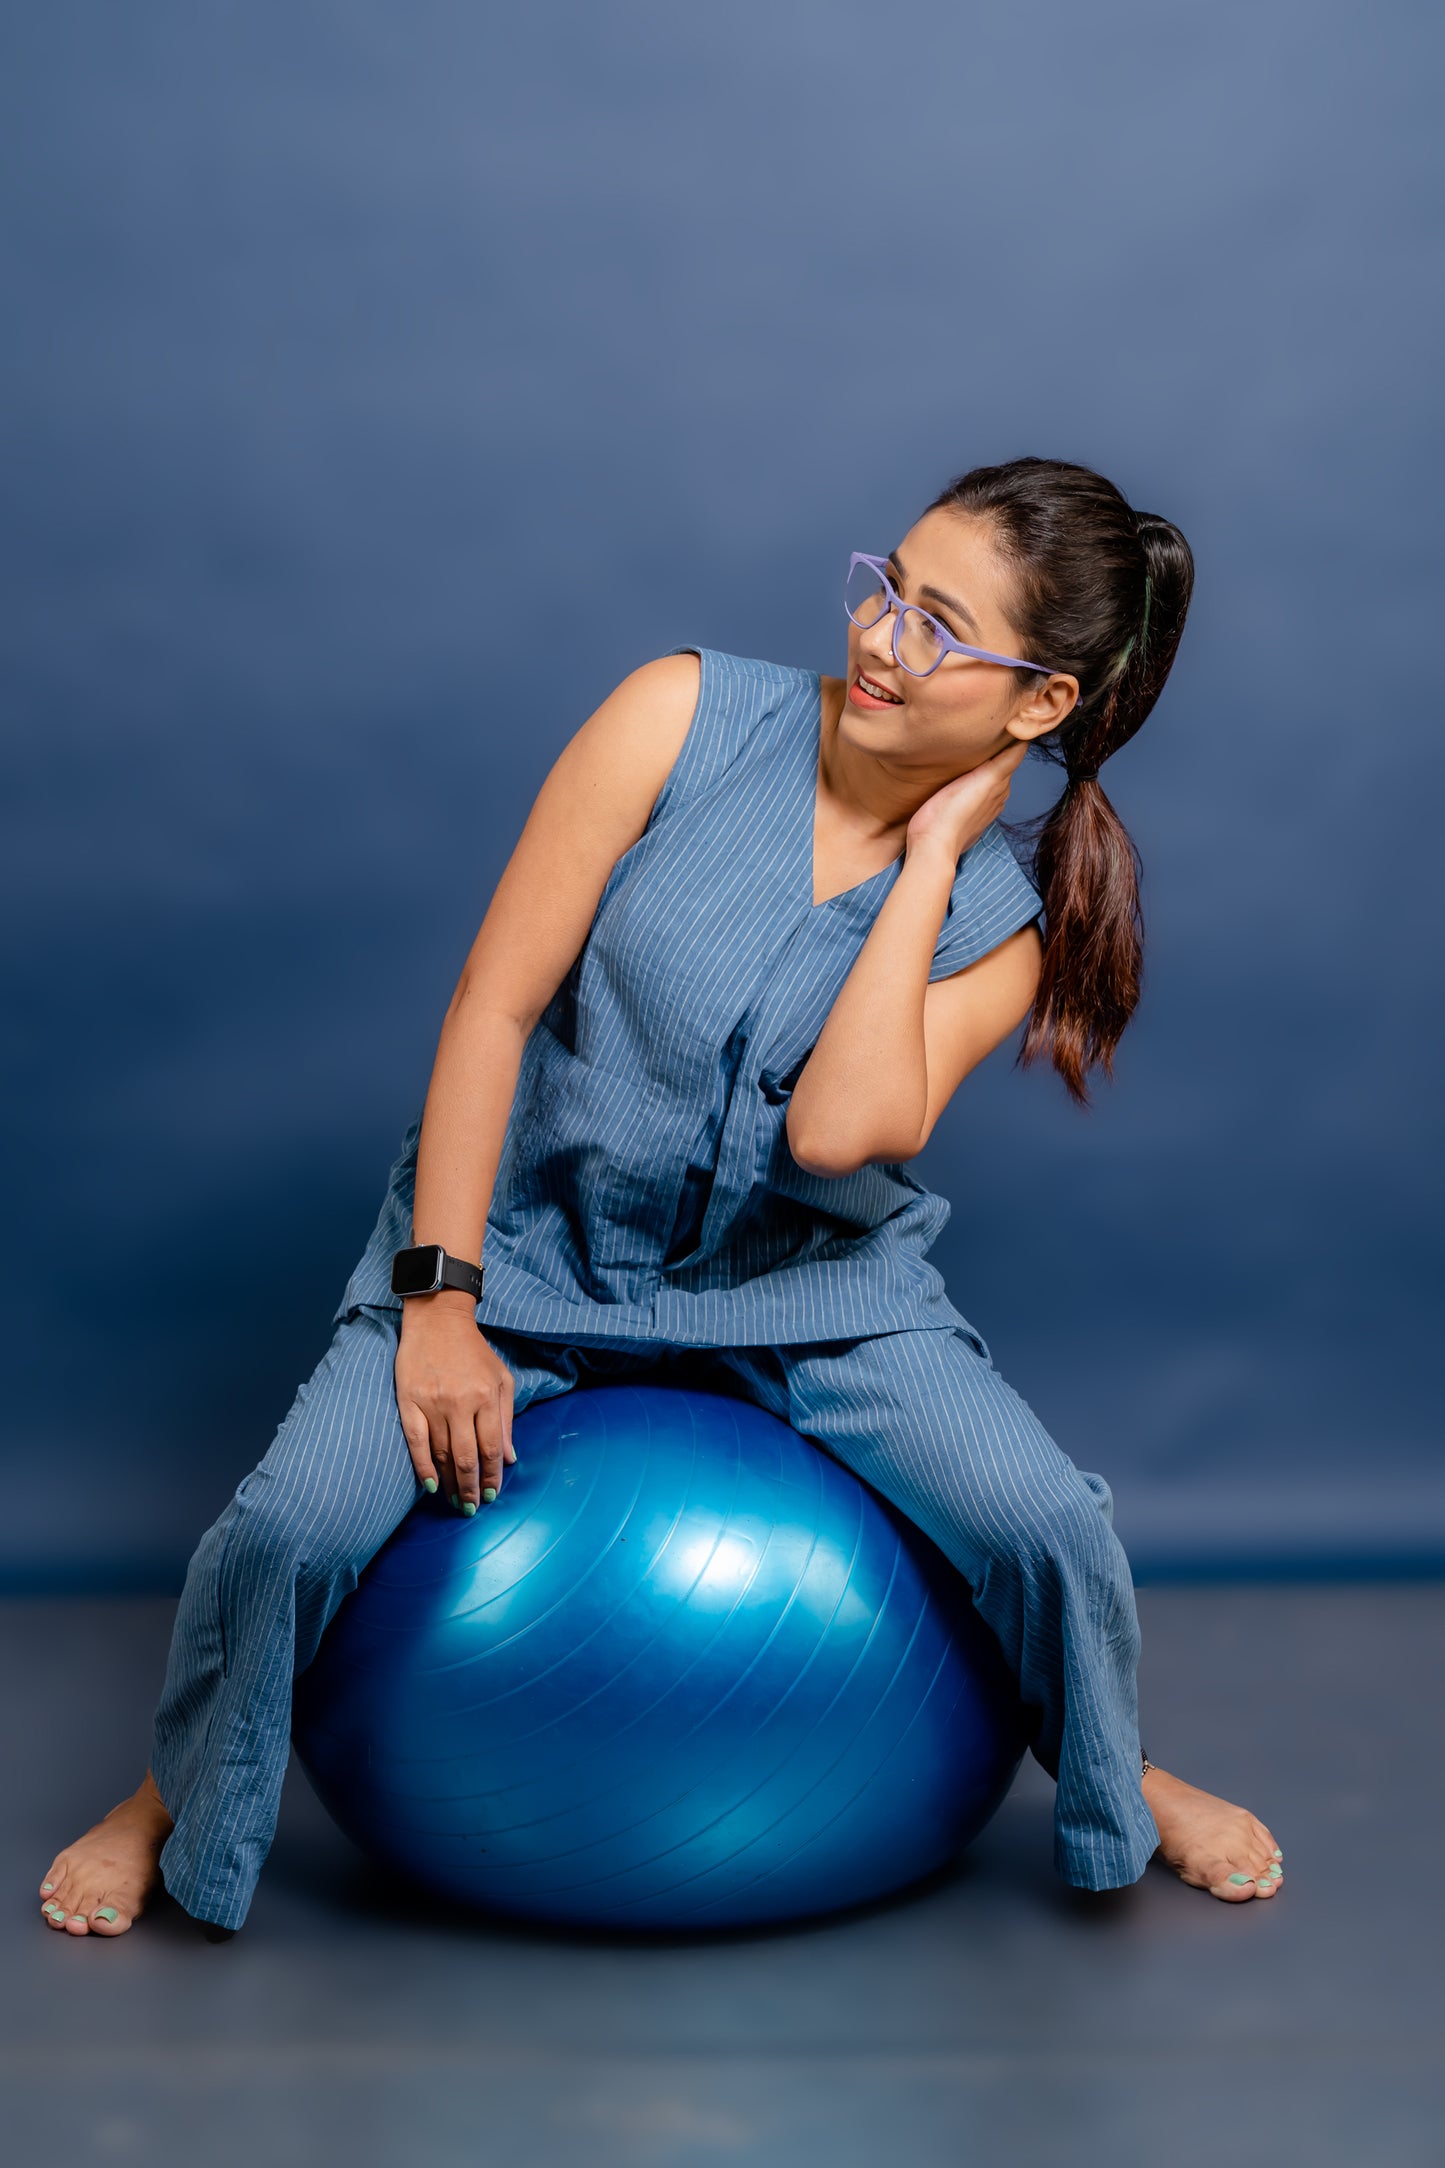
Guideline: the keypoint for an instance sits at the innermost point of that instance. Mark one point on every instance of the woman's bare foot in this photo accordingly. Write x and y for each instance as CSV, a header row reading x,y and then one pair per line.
x,y
1209,1843
99,1884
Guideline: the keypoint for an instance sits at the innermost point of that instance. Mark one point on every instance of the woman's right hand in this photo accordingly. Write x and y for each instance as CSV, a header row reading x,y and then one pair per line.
x,y
454,1395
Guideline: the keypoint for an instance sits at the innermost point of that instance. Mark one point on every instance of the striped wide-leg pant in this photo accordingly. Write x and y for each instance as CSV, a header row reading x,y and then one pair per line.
x,y
921,1416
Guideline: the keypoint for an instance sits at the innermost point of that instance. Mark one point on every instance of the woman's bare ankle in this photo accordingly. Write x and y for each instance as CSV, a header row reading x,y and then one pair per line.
x,y
149,1790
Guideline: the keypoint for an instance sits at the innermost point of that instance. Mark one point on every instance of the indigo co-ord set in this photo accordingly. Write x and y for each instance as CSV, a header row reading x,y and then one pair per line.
x,y
646,1201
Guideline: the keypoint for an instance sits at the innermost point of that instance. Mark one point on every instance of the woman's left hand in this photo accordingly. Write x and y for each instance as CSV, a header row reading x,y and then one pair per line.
x,y
956,816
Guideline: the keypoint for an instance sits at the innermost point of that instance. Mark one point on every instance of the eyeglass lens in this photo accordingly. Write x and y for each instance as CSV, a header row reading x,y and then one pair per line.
x,y
867,598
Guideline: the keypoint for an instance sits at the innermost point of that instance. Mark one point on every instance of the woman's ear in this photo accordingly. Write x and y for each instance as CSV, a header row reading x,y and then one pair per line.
x,y
1045,708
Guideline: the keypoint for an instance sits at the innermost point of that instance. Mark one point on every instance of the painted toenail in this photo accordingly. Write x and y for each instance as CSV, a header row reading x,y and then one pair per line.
x,y
46,1888
106,1912
1241,1878
57,1914
1277,1853
52,1908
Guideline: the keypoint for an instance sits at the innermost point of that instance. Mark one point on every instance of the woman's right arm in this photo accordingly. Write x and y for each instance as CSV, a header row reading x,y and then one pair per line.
x,y
454,1392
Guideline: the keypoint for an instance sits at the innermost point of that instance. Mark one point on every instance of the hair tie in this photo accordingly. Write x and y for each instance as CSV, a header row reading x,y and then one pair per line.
x,y
1083,775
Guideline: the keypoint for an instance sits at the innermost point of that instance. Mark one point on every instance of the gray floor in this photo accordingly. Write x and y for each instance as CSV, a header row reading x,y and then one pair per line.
x,y
994,2015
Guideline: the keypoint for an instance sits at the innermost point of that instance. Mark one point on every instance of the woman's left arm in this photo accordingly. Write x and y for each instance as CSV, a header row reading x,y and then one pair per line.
x,y
894,1048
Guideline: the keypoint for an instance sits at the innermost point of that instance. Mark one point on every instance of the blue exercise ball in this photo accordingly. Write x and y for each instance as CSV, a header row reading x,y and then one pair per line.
x,y
688,1671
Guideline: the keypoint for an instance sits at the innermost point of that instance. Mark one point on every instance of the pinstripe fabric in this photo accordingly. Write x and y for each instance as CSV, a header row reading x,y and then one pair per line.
x,y
645,1186
647,1213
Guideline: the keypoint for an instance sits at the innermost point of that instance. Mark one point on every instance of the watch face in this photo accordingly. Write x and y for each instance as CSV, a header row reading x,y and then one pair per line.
x,y
416,1272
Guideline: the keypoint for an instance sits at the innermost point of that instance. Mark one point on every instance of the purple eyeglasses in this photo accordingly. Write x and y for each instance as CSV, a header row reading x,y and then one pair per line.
x,y
869,593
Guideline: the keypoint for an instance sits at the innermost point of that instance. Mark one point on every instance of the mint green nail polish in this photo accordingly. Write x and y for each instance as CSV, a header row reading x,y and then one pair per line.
x,y
429,1482
470,1507
106,1912
455,1500
46,1888
489,1494
1278,1854
57,1915
1241,1878
52,1907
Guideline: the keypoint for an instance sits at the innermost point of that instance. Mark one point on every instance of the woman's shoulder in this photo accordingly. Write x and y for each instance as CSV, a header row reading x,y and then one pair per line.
x,y
750,676
744,707
743,700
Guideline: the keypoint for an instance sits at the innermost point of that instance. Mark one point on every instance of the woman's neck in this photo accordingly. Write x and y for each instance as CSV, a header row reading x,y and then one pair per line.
x,y
857,792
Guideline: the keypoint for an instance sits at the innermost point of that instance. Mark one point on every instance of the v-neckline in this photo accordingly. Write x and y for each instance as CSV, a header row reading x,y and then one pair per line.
x,y
813,784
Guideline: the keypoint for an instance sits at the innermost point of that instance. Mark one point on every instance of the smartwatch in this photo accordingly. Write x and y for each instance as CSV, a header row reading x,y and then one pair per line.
x,y
422,1271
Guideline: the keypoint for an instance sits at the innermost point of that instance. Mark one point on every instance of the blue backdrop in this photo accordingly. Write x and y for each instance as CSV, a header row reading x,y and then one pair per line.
x,y
382,382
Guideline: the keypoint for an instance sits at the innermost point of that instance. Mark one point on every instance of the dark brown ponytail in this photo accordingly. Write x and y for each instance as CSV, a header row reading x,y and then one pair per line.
x,y
1101,591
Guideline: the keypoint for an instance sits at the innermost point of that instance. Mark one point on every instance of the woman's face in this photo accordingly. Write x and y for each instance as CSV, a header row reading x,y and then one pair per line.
x,y
966,710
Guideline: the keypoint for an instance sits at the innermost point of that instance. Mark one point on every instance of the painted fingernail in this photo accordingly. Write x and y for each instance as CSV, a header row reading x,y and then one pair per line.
x,y
1241,1878
429,1482
490,1495
455,1500
470,1507
105,1912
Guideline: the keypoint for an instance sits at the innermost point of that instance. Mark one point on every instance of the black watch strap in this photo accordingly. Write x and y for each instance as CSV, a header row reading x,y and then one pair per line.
x,y
428,1267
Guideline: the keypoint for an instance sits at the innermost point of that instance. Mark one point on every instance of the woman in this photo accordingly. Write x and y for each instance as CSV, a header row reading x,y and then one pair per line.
x,y
757,928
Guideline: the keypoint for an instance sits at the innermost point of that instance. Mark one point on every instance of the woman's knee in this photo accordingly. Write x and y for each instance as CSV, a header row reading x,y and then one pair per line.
x,y
1024,1485
933,1425
280,1533
342,1431
1014,1493
1057,1525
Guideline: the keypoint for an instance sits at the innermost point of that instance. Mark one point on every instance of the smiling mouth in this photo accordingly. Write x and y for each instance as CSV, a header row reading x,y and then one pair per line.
x,y
875,691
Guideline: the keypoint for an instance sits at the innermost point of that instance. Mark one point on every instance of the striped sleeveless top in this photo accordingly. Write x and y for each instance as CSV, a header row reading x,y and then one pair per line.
x,y
645,1186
